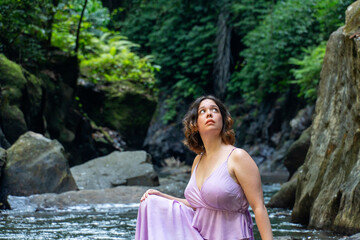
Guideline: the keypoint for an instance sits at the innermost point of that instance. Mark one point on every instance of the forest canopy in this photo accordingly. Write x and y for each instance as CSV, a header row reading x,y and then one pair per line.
x,y
254,49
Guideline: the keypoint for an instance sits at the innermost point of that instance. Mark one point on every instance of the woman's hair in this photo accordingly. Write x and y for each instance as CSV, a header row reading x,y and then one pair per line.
x,y
192,136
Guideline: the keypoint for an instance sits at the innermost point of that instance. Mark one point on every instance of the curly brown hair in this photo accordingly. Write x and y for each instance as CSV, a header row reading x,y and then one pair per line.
x,y
192,136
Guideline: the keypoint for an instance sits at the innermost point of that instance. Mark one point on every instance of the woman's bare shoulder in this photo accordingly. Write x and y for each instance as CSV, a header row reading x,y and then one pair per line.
x,y
242,165
241,158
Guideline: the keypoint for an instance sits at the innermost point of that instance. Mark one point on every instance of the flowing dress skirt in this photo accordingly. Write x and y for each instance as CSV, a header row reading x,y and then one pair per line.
x,y
163,219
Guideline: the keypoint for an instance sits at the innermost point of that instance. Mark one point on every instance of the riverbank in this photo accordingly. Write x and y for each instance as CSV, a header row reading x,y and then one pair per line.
x,y
111,213
118,221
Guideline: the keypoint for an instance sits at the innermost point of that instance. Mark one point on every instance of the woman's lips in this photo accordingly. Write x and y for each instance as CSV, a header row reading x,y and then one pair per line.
x,y
209,121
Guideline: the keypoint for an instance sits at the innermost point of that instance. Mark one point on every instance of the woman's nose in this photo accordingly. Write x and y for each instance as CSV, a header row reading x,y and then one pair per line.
x,y
208,113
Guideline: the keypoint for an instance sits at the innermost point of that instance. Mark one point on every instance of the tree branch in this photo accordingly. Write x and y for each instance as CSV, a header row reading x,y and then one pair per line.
x,y
78,29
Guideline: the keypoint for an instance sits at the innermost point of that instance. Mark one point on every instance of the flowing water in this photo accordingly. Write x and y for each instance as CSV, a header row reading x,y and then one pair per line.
x,y
118,221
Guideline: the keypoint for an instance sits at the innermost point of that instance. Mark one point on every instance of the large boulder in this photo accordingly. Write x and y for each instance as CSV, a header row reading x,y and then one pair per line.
x,y
285,197
164,139
45,104
328,189
296,154
117,168
117,195
13,122
35,165
21,99
3,141
173,182
126,109
2,159
12,80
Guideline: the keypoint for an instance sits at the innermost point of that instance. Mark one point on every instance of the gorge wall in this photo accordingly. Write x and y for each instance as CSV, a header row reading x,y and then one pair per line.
x,y
328,189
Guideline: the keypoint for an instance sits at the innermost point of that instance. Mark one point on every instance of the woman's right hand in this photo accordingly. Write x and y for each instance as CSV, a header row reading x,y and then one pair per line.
x,y
149,192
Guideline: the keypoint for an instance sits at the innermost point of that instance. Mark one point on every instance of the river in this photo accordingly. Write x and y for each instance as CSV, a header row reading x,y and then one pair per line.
x,y
118,221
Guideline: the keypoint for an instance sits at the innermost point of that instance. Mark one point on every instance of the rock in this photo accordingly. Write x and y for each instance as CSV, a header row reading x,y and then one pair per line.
x,y
173,180
328,190
277,158
21,100
35,165
13,122
285,197
12,80
352,19
124,109
274,177
353,237
302,121
3,141
174,184
296,154
267,127
32,103
117,195
117,168
164,140
2,159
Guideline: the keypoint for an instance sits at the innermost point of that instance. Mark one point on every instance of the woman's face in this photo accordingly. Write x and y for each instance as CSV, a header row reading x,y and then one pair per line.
x,y
209,117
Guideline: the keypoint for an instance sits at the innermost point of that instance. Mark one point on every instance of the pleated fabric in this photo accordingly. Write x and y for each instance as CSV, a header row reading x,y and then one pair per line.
x,y
221,212
163,219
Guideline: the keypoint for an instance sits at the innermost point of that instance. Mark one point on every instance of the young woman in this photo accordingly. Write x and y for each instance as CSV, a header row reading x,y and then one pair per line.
x,y
224,181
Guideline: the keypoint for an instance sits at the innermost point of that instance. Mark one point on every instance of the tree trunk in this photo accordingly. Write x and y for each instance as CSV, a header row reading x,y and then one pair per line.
x,y
79,26
221,71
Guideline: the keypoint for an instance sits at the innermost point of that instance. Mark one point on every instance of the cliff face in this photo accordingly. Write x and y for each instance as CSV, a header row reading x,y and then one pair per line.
x,y
328,190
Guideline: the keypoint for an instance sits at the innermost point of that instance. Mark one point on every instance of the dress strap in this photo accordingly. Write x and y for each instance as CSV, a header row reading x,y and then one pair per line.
x,y
230,153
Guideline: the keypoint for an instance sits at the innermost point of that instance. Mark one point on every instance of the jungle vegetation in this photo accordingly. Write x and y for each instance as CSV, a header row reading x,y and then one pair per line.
x,y
180,49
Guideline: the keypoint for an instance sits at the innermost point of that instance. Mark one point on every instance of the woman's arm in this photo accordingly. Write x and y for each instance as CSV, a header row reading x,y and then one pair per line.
x,y
247,174
156,192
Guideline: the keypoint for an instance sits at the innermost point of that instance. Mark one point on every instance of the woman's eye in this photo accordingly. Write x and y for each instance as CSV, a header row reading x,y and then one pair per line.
x,y
215,110
202,111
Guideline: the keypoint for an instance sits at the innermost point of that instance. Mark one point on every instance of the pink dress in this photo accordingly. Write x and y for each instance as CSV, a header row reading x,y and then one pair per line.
x,y
221,212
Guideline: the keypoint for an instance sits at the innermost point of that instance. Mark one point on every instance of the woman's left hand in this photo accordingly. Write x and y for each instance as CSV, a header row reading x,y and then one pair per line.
x,y
149,192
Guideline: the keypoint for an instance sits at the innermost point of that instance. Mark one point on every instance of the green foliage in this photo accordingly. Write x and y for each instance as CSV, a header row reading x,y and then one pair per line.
x,y
330,14
105,56
247,14
265,69
113,61
66,20
307,74
181,36
291,26
25,26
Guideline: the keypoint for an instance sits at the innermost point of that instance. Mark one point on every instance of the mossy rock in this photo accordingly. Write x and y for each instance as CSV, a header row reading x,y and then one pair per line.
x,y
352,19
34,90
35,165
12,80
130,113
13,122
122,106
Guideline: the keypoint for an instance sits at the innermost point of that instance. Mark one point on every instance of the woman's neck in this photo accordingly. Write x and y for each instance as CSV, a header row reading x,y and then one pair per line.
x,y
212,145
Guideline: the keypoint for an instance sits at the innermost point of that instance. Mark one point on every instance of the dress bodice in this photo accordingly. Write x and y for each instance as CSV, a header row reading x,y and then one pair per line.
x,y
220,204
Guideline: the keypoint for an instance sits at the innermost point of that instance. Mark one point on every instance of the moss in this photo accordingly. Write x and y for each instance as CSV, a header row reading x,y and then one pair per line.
x,y
352,18
34,89
130,113
13,122
12,79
